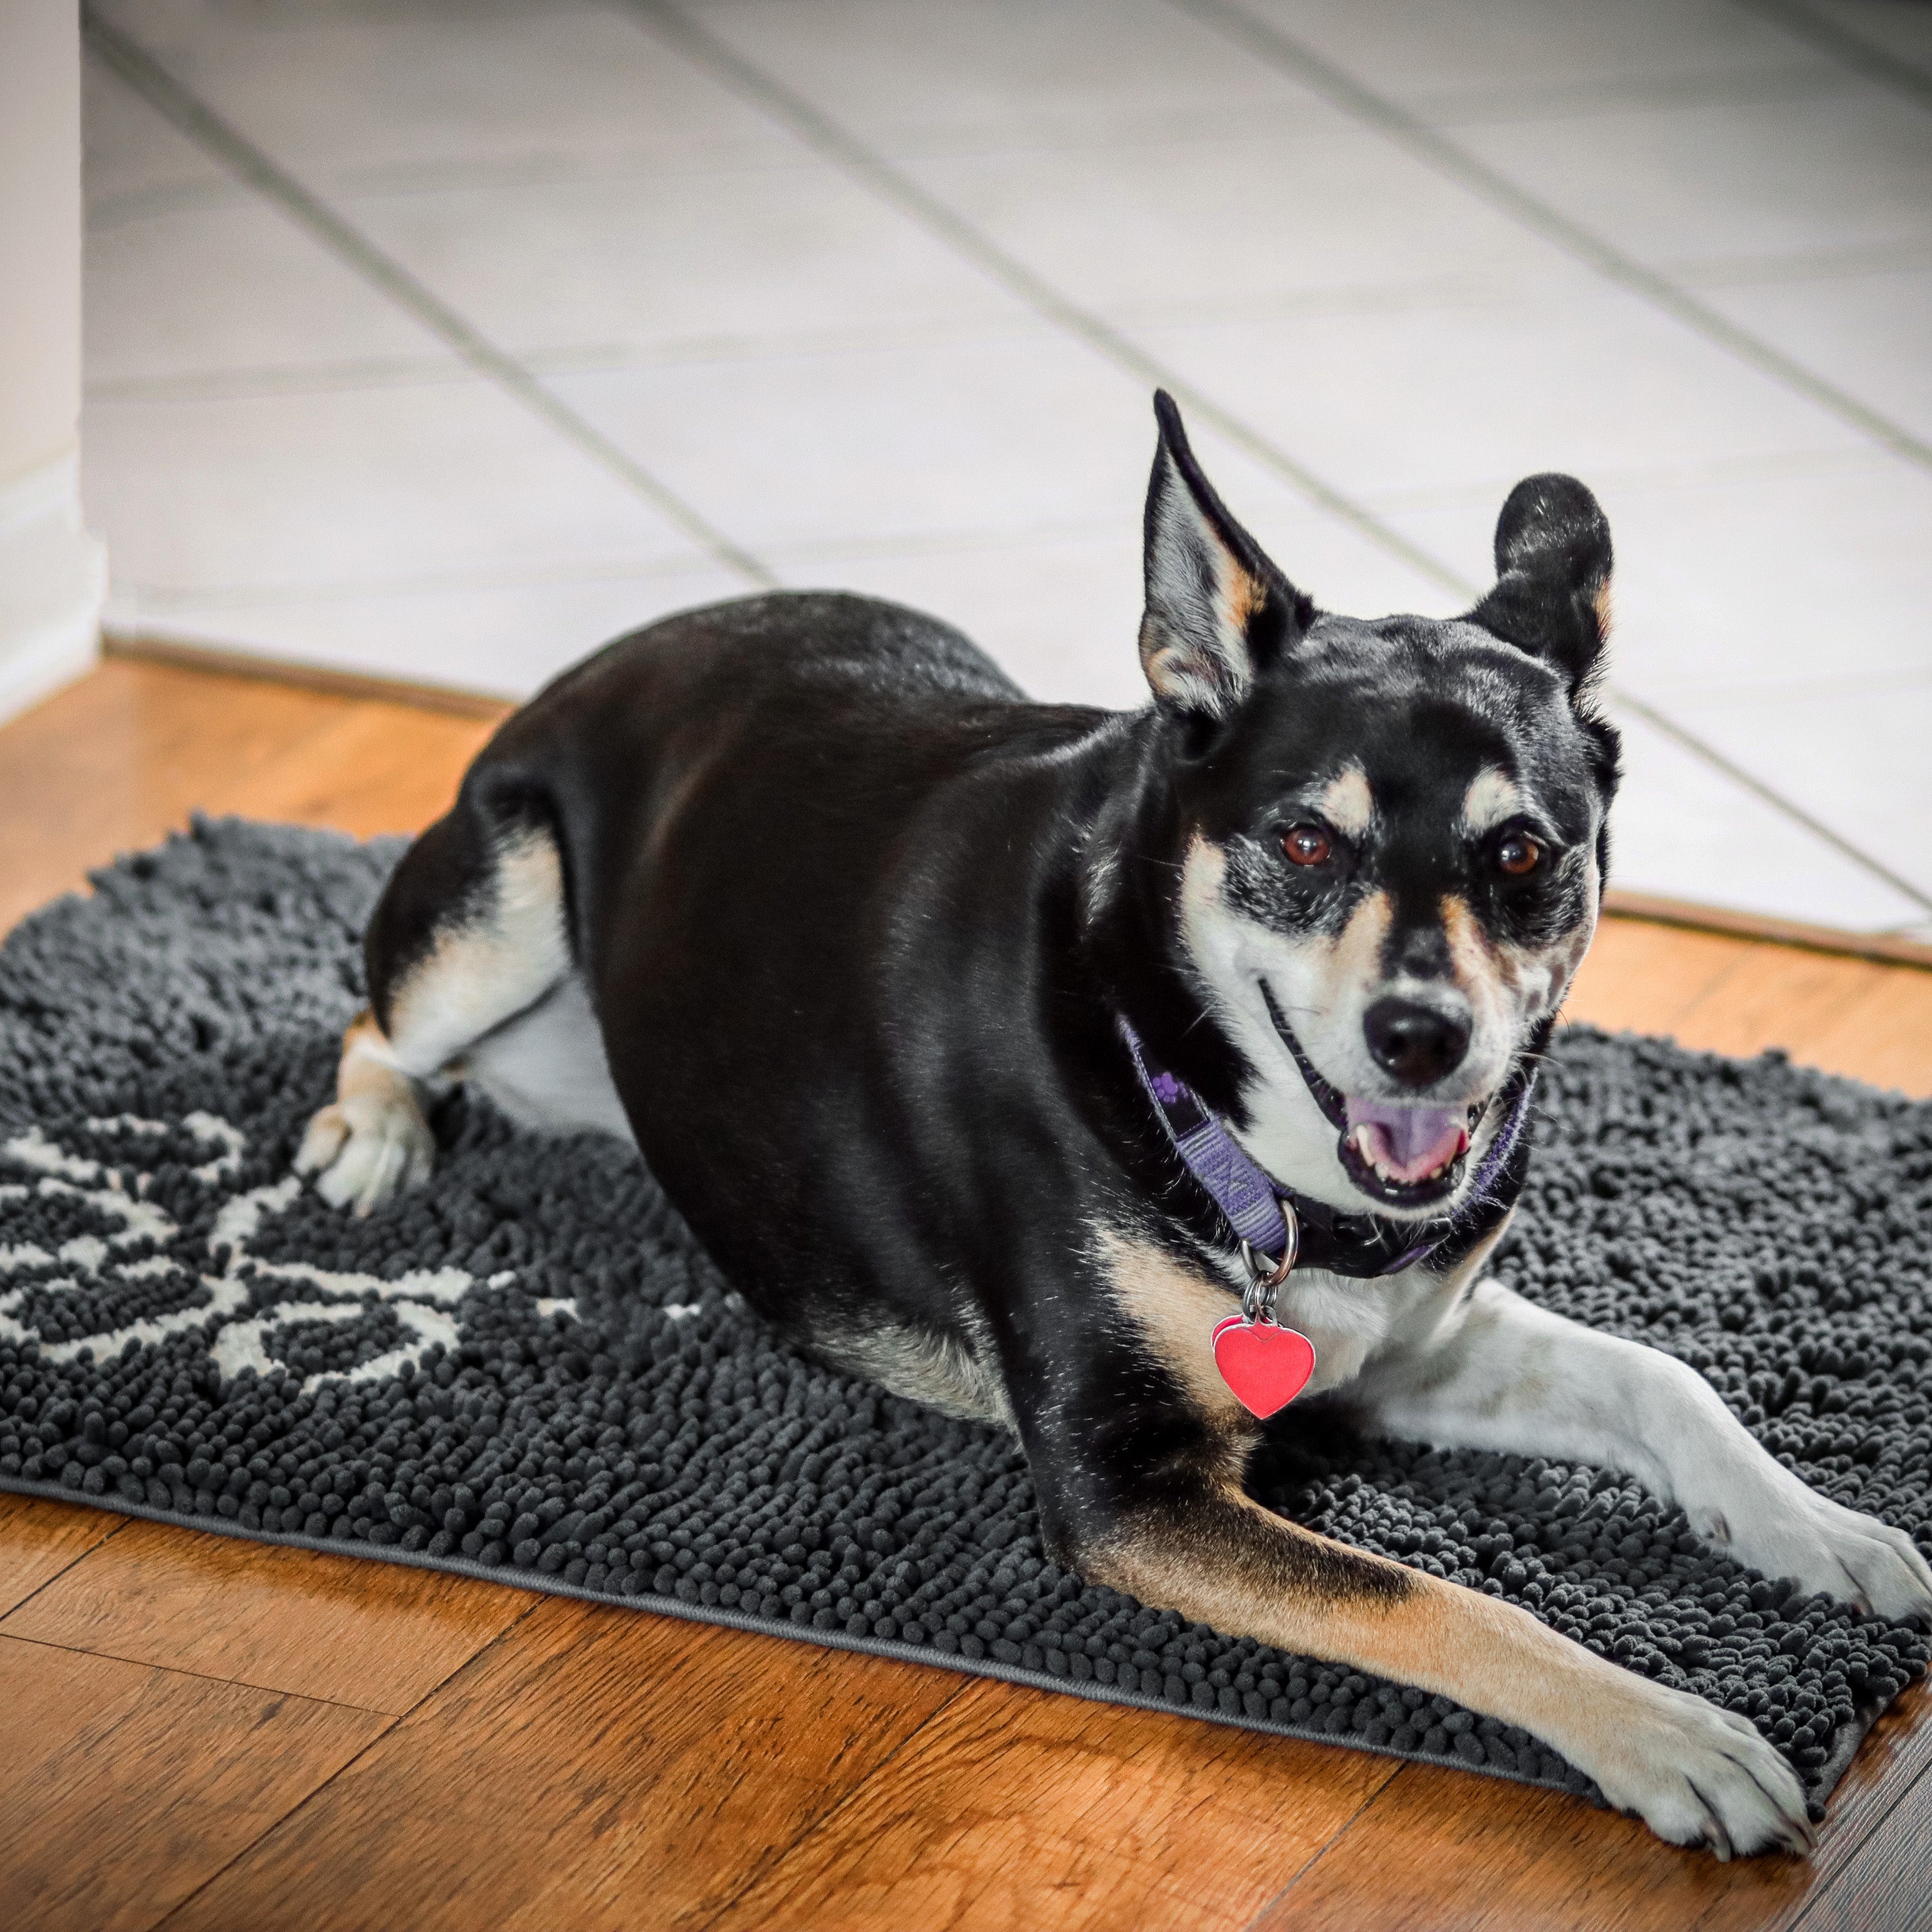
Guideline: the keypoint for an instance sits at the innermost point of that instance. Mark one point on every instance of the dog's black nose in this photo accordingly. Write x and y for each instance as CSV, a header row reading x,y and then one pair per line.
x,y
1416,1043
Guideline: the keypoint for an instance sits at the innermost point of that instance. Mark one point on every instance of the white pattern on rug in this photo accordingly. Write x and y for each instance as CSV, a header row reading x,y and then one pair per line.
x,y
426,1302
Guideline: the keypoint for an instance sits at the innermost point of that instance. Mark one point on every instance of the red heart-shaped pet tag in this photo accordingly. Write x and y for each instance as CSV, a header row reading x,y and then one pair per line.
x,y
1266,1366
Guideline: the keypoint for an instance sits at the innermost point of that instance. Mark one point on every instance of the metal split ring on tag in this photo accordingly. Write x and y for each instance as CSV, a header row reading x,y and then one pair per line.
x,y
1265,1274
1265,1365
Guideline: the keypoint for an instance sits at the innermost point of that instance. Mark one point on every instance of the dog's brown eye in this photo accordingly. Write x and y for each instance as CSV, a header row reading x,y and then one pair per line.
x,y
1519,854
1305,844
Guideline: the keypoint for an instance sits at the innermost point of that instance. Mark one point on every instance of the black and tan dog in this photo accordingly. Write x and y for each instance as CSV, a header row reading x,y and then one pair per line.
x,y
923,1002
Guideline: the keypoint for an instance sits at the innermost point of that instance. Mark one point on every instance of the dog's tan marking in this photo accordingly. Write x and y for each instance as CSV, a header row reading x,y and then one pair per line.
x,y
1500,981
1470,951
1603,604
500,959
1355,958
1242,595
1348,803
1525,979
1493,799
1201,875
1564,959
1176,1311
367,1065
1180,662
372,1139
1222,1559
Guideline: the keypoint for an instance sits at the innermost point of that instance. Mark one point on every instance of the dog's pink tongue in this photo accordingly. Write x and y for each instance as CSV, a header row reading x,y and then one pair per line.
x,y
1411,1142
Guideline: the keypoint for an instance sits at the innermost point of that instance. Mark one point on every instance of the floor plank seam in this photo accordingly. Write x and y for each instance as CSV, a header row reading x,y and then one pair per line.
x,y
1841,1863
776,1860
106,1536
1333,1840
347,1764
201,1676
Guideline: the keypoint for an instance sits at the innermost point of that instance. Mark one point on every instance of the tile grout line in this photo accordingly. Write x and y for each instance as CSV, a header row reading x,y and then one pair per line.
x,y
1689,742
148,78
1447,157
145,75
820,132
1849,49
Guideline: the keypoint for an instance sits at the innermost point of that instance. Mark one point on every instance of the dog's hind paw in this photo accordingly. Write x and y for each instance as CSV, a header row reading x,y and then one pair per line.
x,y
1697,1775
366,1149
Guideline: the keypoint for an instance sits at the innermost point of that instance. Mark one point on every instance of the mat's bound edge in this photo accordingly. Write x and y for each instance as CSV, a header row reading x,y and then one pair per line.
x,y
1829,1773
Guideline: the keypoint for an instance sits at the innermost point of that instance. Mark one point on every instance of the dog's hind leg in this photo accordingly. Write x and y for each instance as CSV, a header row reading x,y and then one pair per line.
x,y
470,934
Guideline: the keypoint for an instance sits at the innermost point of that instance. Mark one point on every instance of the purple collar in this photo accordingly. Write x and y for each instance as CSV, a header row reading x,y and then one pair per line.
x,y
1364,1246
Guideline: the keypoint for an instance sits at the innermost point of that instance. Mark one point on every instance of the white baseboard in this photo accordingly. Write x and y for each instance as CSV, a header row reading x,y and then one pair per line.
x,y
36,665
53,581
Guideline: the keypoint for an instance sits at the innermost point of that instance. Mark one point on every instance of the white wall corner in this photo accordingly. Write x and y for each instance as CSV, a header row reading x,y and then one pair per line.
x,y
52,573
53,580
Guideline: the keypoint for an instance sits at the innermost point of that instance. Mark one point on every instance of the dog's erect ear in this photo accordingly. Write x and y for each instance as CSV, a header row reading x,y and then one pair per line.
x,y
1552,591
1216,606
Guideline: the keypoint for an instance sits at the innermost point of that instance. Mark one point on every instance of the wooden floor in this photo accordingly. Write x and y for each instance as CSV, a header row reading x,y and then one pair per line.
x,y
200,1732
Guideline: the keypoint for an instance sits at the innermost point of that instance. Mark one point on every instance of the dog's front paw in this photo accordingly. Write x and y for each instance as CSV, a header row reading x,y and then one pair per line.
x,y
1697,1775
1851,1557
366,1149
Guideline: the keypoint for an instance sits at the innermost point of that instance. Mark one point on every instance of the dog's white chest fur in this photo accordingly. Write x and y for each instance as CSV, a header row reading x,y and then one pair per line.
x,y
1353,1322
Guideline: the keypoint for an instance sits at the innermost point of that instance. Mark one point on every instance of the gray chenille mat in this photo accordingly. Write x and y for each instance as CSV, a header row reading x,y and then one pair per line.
x,y
528,1372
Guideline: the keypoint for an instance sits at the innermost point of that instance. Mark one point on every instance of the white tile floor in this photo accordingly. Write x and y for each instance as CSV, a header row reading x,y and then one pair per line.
x,y
872,292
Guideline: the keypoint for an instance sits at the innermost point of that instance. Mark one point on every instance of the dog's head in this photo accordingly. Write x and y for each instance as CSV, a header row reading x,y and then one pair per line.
x,y
1390,835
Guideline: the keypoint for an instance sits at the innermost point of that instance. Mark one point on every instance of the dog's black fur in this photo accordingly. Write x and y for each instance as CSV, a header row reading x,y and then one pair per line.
x,y
858,925
858,922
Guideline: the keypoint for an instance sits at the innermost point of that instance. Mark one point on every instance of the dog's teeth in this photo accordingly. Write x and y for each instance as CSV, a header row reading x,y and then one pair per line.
x,y
1368,1145
1368,1142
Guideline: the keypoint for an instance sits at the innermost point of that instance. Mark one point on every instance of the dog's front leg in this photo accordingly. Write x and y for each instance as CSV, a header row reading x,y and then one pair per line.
x,y
1505,1374
1187,1537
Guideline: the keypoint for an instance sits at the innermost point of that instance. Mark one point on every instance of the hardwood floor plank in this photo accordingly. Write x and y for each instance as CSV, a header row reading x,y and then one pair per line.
x,y
1885,1039
1014,1809
1722,995
40,1538
1431,1853
378,768
1774,996
343,1628
123,1788
118,759
596,1768
1642,976
1887,1882
127,752
1440,1848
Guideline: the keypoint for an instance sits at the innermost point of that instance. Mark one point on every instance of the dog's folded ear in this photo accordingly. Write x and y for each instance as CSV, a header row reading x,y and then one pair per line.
x,y
1551,597
1217,607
